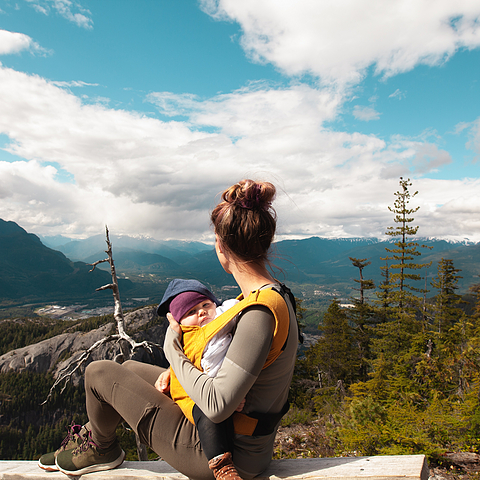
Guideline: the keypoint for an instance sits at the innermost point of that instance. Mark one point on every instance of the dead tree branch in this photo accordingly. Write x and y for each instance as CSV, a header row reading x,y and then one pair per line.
x,y
67,373
126,342
123,337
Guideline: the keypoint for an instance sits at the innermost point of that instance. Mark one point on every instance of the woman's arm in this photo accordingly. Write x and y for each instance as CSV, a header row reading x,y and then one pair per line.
x,y
218,397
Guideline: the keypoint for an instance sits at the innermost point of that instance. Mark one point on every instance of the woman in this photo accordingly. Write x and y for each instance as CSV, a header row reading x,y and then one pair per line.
x,y
257,367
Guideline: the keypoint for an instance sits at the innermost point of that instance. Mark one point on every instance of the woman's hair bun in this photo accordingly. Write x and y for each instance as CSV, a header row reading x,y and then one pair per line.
x,y
251,195
245,220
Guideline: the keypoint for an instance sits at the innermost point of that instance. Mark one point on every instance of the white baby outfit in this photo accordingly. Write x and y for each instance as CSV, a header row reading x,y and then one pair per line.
x,y
217,347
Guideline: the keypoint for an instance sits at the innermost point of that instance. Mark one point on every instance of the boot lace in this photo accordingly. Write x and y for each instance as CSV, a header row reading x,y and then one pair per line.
x,y
86,443
72,430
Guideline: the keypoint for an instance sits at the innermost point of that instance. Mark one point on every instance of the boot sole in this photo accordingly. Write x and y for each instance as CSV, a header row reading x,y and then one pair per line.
x,y
95,468
48,468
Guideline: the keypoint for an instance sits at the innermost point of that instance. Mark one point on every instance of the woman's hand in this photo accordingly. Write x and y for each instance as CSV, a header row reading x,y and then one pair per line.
x,y
163,382
174,325
240,407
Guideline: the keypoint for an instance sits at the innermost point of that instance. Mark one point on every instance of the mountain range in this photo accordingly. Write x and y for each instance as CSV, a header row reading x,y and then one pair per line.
x,y
35,269
311,260
31,271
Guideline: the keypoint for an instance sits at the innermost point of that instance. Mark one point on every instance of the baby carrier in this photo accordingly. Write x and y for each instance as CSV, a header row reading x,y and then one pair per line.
x,y
195,339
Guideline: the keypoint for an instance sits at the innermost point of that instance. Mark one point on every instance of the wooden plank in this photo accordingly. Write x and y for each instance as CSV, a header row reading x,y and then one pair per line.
x,y
392,467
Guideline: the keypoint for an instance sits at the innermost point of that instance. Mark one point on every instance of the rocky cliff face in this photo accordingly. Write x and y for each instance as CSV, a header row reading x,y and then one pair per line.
x,y
55,354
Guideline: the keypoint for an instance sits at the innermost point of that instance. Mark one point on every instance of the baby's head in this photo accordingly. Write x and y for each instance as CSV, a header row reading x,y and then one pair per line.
x,y
192,308
189,301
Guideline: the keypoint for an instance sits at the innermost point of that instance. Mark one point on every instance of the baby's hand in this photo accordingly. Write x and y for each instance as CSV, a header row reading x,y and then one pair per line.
x,y
174,325
240,407
163,382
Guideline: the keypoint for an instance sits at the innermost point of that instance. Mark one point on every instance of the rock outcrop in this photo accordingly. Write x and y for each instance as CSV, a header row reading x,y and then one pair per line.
x,y
56,353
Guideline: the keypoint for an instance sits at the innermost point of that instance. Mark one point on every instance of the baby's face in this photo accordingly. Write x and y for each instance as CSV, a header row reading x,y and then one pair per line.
x,y
200,314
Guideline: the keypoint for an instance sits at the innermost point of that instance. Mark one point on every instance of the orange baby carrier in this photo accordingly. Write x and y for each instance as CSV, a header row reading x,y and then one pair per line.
x,y
195,339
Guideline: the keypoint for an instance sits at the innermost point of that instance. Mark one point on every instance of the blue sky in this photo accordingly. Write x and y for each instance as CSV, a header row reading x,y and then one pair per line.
x,y
136,114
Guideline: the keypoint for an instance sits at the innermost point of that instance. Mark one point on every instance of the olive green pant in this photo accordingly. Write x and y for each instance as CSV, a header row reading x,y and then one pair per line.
x,y
126,392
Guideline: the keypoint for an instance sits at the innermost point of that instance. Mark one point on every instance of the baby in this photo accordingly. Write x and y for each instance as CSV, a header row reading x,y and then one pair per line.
x,y
190,303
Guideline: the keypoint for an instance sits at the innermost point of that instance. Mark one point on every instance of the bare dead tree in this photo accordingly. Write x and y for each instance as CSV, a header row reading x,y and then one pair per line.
x,y
126,342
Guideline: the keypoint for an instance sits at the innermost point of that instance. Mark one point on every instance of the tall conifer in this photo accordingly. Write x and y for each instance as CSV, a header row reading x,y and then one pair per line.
x,y
403,266
400,339
332,354
447,301
362,317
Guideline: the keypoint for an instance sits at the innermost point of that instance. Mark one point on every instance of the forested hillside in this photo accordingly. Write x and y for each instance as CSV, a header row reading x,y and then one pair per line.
x,y
395,373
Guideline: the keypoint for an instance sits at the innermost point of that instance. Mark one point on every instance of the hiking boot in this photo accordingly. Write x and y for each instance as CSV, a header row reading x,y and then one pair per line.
x,y
223,467
72,440
88,457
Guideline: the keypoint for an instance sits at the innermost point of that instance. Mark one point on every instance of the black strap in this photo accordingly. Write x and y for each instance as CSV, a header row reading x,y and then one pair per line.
x,y
284,290
268,421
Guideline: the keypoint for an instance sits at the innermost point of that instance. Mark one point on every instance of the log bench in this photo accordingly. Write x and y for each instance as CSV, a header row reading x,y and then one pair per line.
x,y
389,467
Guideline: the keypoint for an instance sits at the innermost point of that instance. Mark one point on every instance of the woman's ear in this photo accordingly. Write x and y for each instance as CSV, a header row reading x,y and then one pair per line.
x,y
222,255
218,245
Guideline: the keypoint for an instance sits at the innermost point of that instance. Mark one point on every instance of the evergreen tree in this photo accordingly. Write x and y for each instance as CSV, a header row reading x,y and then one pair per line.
x,y
447,301
301,310
383,296
332,356
364,284
362,318
461,345
400,340
403,267
475,290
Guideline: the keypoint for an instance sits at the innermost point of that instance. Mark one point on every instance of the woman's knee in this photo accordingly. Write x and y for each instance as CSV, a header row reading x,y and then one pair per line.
x,y
99,369
130,364
146,371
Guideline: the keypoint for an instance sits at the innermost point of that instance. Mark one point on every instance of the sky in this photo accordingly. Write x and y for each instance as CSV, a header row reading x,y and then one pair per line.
x,y
138,114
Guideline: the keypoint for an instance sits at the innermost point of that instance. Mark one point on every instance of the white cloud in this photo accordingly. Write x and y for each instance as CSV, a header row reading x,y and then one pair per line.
x,y
173,105
474,140
14,42
140,175
337,40
40,9
398,94
70,10
66,9
428,158
366,114
460,127
266,111
74,83
457,217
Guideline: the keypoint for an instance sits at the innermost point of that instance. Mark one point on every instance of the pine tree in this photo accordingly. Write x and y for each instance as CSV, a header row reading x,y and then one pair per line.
x,y
475,290
332,354
422,395
447,301
403,267
400,339
383,296
461,344
364,284
362,317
